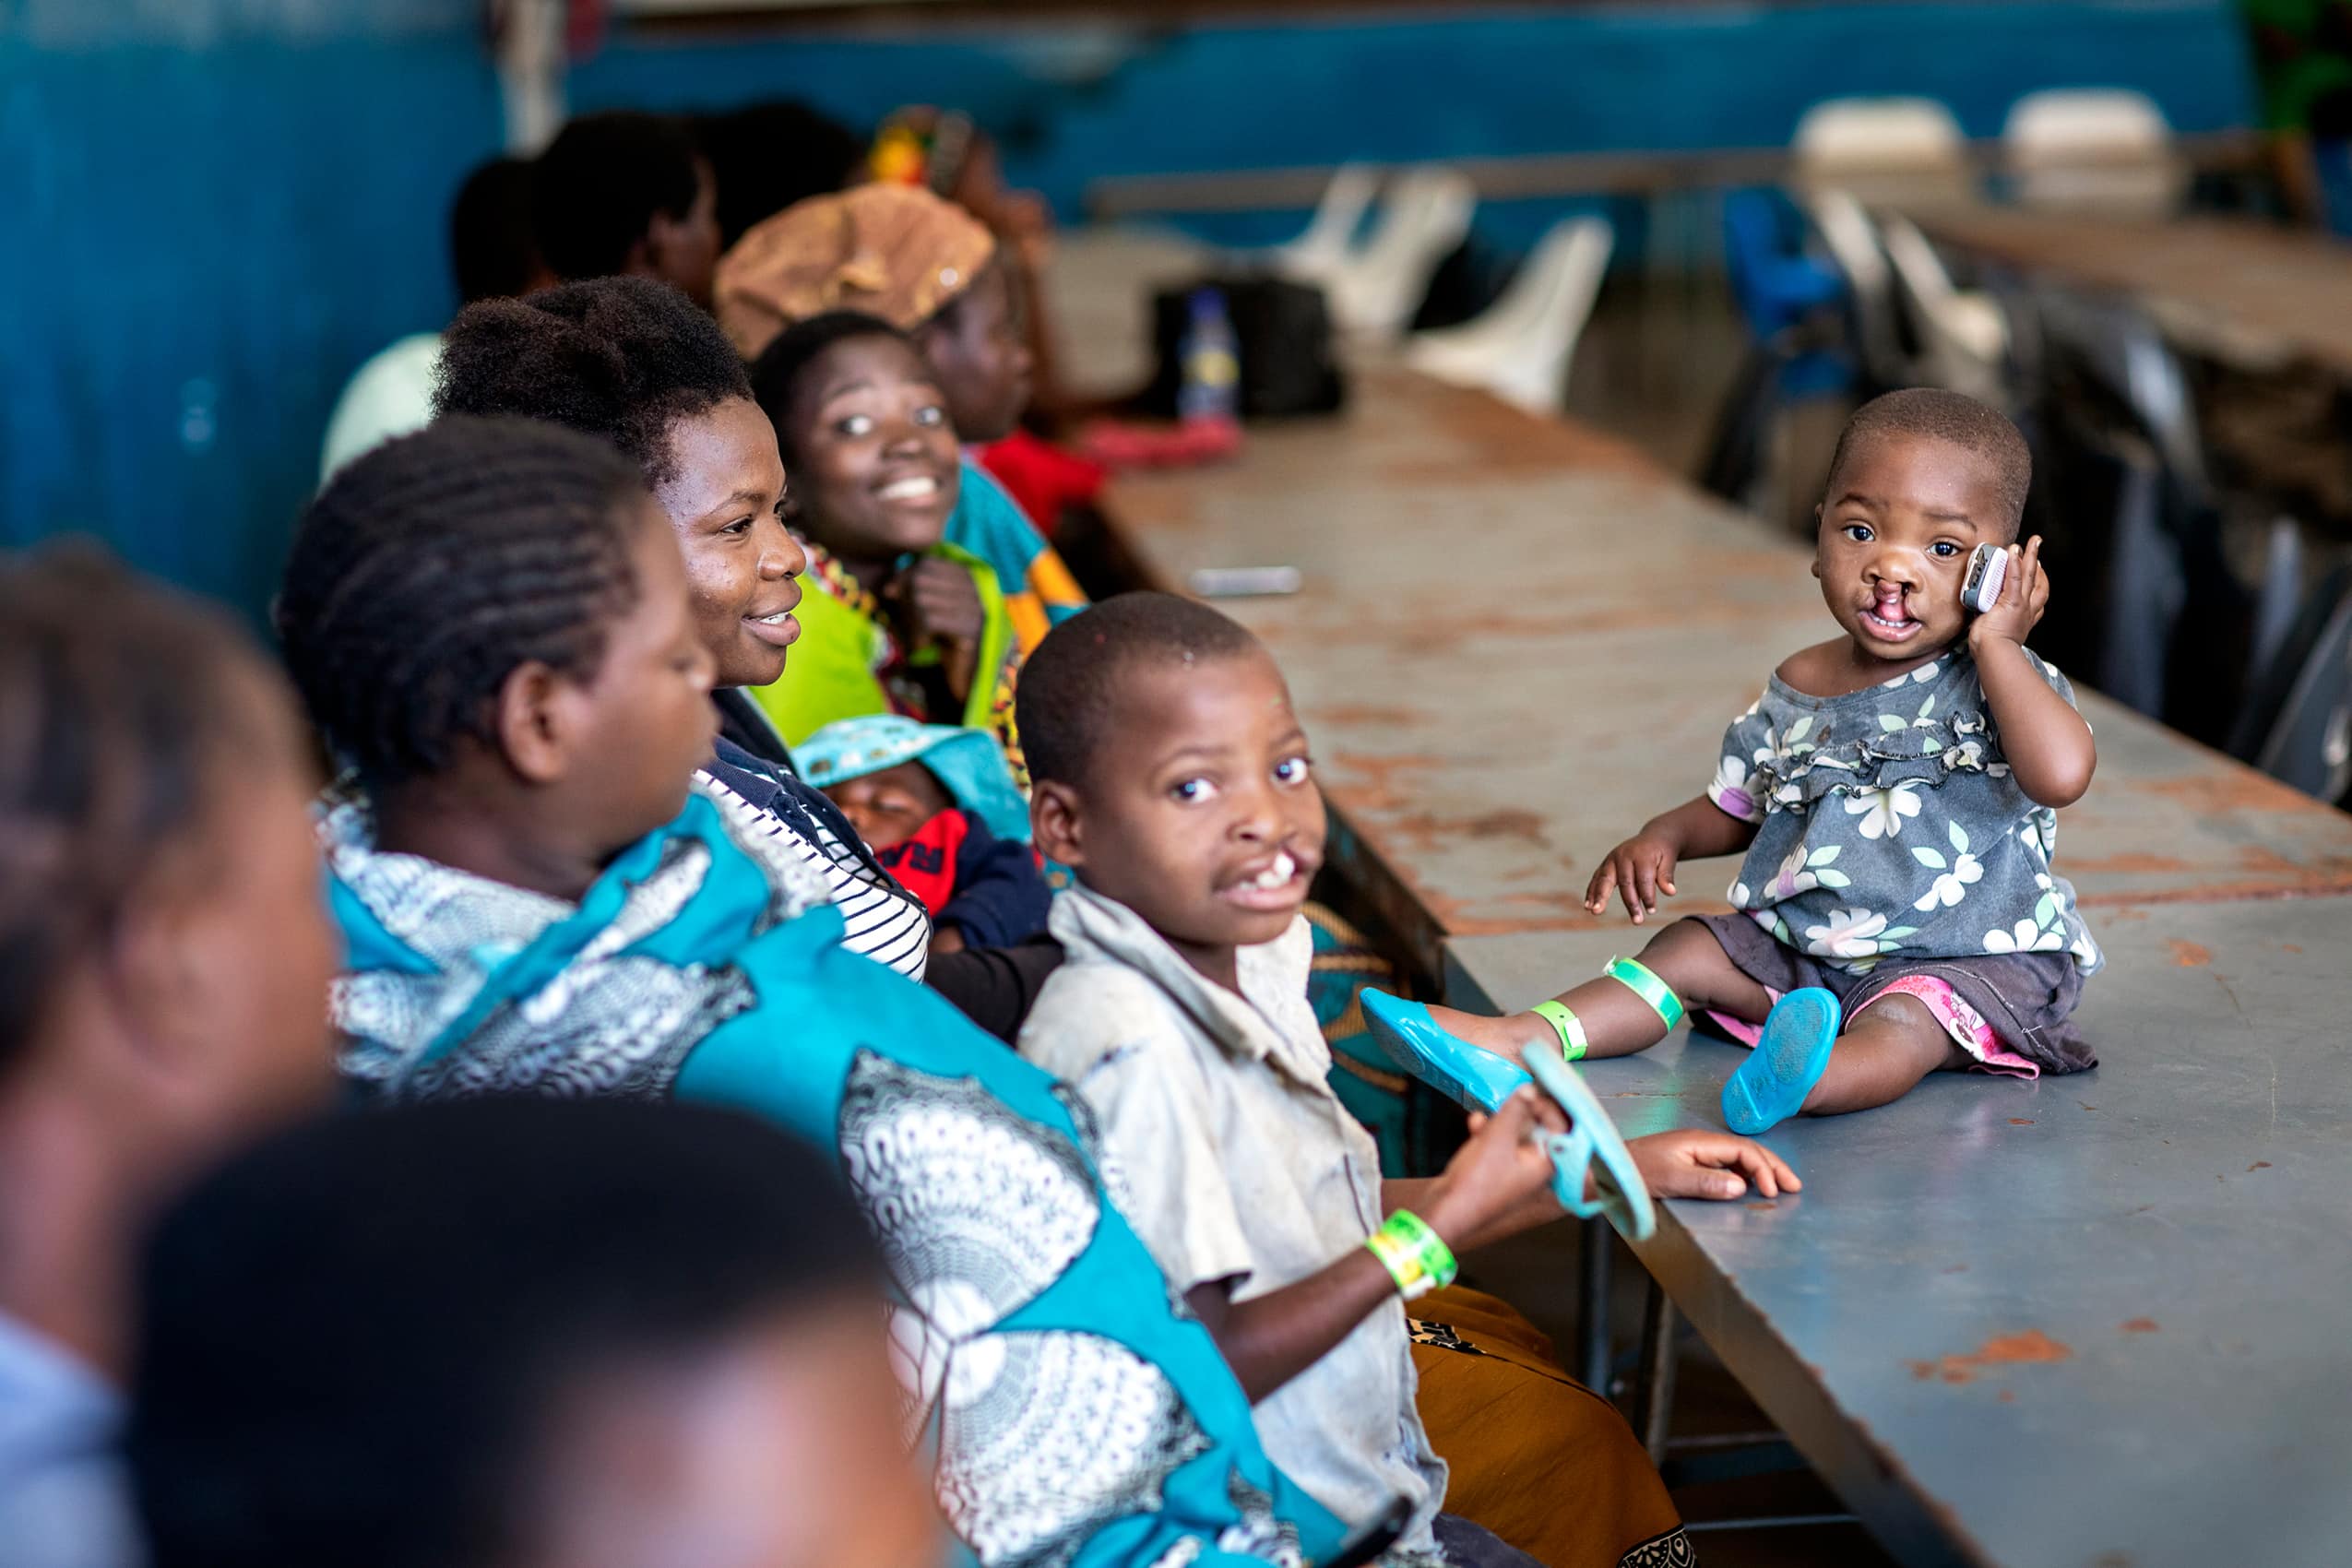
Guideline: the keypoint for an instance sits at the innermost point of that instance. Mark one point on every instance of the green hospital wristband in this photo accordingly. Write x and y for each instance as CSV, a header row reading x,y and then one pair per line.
x,y
1415,1255
1573,1043
1637,978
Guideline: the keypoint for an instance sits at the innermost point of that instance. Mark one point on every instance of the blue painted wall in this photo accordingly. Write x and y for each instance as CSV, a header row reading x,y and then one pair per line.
x,y
216,208
1076,101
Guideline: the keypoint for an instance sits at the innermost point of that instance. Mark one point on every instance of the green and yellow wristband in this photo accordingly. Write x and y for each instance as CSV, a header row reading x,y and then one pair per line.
x,y
1572,1044
1415,1255
1634,975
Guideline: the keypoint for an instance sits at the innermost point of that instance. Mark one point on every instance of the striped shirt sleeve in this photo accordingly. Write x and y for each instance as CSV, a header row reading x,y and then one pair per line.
x,y
881,920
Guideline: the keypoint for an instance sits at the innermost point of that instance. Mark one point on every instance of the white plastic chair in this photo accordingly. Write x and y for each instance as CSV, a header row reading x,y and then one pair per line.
x,y
1882,148
2103,149
1963,336
1852,241
1321,250
1520,347
1379,285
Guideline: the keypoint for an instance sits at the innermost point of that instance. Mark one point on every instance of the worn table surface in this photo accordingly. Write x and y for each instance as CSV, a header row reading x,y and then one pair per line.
x,y
1519,640
2253,295
2089,1321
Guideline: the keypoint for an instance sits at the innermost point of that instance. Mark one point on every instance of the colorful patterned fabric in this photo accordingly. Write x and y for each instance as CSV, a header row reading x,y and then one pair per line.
x,y
1069,1412
1042,478
1414,1129
1039,592
890,251
849,662
1531,1454
2024,1002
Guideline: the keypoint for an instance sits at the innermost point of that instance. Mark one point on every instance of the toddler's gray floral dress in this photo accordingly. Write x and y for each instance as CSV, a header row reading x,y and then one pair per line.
x,y
1895,851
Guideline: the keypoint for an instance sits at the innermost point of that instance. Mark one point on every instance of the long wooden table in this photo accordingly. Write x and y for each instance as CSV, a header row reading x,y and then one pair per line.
x,y
1519,640
2084,1323
1516,641
2250,295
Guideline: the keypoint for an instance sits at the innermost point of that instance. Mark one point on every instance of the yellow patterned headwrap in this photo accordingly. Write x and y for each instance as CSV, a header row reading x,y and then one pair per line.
x,y
891,251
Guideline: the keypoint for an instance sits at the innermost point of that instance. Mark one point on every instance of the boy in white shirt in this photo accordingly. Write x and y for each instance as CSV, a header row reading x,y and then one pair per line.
x,y
1172,776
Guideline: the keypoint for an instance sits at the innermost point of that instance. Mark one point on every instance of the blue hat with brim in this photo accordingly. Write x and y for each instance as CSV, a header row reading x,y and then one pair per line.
x,y
968,764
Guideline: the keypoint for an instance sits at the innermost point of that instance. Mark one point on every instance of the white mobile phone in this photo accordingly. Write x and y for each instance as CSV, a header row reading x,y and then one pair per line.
x,y
1245,582
1988,569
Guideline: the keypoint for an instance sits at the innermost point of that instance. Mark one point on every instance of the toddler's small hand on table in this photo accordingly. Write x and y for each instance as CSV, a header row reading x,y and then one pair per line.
x,y
2025,594
1637,870
1696,1163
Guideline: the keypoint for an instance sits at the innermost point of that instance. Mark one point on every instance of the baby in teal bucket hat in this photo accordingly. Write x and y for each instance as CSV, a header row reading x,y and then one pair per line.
x,y
938,807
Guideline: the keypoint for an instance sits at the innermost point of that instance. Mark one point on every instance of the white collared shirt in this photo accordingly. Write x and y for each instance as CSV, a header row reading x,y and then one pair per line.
x,y
1233,1159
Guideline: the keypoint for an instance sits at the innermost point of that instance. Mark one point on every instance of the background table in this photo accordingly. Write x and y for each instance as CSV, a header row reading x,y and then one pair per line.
x,y
2248,294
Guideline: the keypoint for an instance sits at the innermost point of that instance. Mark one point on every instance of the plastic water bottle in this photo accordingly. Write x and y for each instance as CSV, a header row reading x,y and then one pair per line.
x,y
1211,392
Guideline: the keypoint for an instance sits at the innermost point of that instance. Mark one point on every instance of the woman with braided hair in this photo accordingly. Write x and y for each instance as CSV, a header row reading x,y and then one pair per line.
x,y
164,959
635,364
491,619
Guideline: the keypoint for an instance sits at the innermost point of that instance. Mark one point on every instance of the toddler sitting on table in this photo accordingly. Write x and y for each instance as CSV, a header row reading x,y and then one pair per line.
x,y
938,807
1895,791
1170,776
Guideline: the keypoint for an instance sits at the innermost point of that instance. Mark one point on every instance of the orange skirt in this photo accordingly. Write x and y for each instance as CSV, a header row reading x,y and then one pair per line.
x,y
1534,1455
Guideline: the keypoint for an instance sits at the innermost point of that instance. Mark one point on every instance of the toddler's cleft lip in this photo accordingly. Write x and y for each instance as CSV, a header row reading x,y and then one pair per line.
x,y
1895,628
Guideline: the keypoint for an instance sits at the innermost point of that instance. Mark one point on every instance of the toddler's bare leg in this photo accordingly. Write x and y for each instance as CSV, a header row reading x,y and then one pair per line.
x,y
1881,1057
1617,1021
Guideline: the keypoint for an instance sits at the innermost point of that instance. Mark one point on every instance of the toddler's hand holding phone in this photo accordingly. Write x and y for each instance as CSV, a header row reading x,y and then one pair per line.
x,y
2023,596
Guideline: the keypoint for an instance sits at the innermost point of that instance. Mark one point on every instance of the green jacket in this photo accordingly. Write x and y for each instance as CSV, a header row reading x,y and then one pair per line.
x,y
834,671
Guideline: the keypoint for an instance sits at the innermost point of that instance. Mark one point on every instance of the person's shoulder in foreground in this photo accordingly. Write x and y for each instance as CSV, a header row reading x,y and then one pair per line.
x,y
164,960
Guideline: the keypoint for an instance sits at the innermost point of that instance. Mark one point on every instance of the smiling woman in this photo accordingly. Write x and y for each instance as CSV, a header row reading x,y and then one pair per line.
x,y
904,622
745,582
635,363
519,922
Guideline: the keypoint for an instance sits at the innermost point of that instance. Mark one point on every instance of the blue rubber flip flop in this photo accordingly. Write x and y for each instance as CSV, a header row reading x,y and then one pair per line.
x,y
1592,1144
1470,1075
1788,1059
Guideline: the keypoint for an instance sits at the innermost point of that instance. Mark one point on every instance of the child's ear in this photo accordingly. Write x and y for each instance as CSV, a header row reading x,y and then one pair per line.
x,y
1817,512
536,721
1055,821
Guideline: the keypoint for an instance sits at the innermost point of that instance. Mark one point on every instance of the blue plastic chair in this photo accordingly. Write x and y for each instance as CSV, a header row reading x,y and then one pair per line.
x,y
1779,287
1797,335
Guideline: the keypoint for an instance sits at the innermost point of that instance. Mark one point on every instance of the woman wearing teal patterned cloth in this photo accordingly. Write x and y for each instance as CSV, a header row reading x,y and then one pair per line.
x,y
537,899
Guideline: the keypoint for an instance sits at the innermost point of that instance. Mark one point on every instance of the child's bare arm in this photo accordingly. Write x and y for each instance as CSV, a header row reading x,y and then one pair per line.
x,y
1269,1339
1643,866
1688,1163
1494,1186
2045,742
